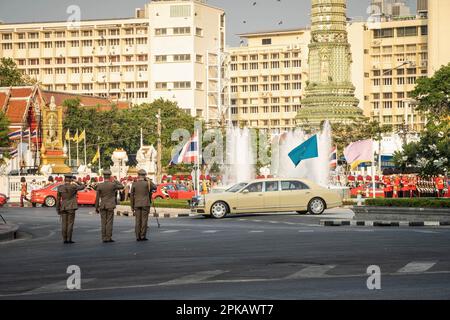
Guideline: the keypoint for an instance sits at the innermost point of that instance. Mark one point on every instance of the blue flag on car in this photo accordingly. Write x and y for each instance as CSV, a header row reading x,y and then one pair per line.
x,y
306,150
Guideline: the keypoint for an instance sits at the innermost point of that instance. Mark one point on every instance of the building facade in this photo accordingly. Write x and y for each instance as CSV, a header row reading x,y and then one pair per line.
x,y
267,77
160,53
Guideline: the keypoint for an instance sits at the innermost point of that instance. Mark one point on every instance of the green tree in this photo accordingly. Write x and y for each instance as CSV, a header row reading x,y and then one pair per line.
x,y
4,140
433,94
10,76
344,134
431,155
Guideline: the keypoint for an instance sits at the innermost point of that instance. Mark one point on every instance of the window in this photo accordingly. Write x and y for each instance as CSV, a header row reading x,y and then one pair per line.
x,y
293,185
266,42
199,58
141,40
199,32
424,30
160,58
7,36
160,31
86,43
182,85
271,186
33,45
254,187
383,33
407,32
180,11
181,57
181,30
7,46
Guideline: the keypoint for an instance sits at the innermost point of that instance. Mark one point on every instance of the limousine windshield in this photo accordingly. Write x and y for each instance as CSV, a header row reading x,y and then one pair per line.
x,y
237,187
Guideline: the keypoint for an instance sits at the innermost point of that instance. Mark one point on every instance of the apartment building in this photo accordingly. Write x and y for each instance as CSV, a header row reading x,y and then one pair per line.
x,y
160,53
267,77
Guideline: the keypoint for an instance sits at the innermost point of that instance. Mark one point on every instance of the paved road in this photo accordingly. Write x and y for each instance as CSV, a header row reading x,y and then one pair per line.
x,y
278,256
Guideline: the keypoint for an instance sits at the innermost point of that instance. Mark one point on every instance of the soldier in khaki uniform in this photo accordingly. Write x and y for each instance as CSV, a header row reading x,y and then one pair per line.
x,y
105,203
141,200
66,205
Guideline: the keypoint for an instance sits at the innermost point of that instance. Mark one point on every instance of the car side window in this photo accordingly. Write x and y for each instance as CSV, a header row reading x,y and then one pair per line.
x,y
271,186
255,187
293,185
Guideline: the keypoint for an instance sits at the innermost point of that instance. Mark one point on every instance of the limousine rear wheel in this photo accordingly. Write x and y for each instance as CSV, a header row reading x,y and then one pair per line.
x,y
316,206
219,210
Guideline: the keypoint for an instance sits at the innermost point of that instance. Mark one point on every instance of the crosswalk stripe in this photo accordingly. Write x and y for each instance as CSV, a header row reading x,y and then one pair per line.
x,y
415,267
94,230
210,231
305,231
256,231
196,277
311,272
129,231
170,231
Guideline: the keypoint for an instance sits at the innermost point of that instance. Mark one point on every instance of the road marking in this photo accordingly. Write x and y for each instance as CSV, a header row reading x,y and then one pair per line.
x,y
416,267
210,231
363,230
312,272
129,231
170,231
40,227
194,278
55,287
425,231
305,231
273,222
94,230
256,231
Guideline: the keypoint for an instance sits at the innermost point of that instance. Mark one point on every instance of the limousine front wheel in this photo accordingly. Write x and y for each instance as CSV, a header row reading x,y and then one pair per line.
x,y
316,206
219,210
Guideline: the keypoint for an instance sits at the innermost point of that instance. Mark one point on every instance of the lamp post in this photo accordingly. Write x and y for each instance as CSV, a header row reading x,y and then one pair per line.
x,y
380,107
159,165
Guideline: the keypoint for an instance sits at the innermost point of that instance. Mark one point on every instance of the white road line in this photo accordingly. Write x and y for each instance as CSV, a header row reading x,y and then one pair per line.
x,y
94,230
194,278
129,231
305,231
170,231
273,222
256,231
425,231
55,287
210,231
40,227
416,267
312,272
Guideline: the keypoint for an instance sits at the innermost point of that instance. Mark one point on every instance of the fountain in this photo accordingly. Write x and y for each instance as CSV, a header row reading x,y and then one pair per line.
x,y
241,156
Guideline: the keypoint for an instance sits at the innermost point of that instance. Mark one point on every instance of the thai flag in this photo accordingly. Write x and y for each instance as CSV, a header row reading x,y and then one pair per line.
x,y
26,133
189,152
13,153
15,134
34,134
333,158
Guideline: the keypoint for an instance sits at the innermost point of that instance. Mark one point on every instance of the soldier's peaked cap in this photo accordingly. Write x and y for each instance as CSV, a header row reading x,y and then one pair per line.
x,y
142,172
107,173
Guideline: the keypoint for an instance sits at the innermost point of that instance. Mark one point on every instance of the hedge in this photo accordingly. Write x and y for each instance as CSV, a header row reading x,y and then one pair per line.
x,y
170,203
410,203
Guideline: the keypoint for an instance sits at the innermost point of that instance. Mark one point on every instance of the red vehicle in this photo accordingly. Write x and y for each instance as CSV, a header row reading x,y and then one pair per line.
x,y
3,199
366,190
173,191
47,196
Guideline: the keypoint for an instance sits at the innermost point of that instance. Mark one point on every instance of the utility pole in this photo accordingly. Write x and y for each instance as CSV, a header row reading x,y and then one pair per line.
x,y
159,169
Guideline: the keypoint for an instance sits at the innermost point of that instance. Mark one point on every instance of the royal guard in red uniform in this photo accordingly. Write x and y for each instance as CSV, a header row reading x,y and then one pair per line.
x,y
412,183
387,188
397,182
440,186
405,187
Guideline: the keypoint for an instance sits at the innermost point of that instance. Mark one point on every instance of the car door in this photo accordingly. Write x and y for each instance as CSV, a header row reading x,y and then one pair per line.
x,y
271,196
294,195
251,198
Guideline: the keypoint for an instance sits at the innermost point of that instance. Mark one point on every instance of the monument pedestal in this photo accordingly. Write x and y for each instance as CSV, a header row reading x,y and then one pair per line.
x,y
57,161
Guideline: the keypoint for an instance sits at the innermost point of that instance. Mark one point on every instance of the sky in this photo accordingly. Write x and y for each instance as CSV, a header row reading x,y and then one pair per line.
x,y
242,15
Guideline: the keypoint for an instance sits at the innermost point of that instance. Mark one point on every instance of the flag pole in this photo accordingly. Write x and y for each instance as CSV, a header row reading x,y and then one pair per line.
x,y
78,155
70,154
19,150
373,174
99,159
198,165
85,156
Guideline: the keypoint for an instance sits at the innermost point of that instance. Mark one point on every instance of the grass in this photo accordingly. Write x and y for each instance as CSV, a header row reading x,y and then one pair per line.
x,y
410,203
169,203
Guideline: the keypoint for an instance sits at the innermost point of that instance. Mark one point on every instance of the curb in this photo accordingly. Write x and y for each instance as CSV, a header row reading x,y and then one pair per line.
x,y
338,223
9,232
